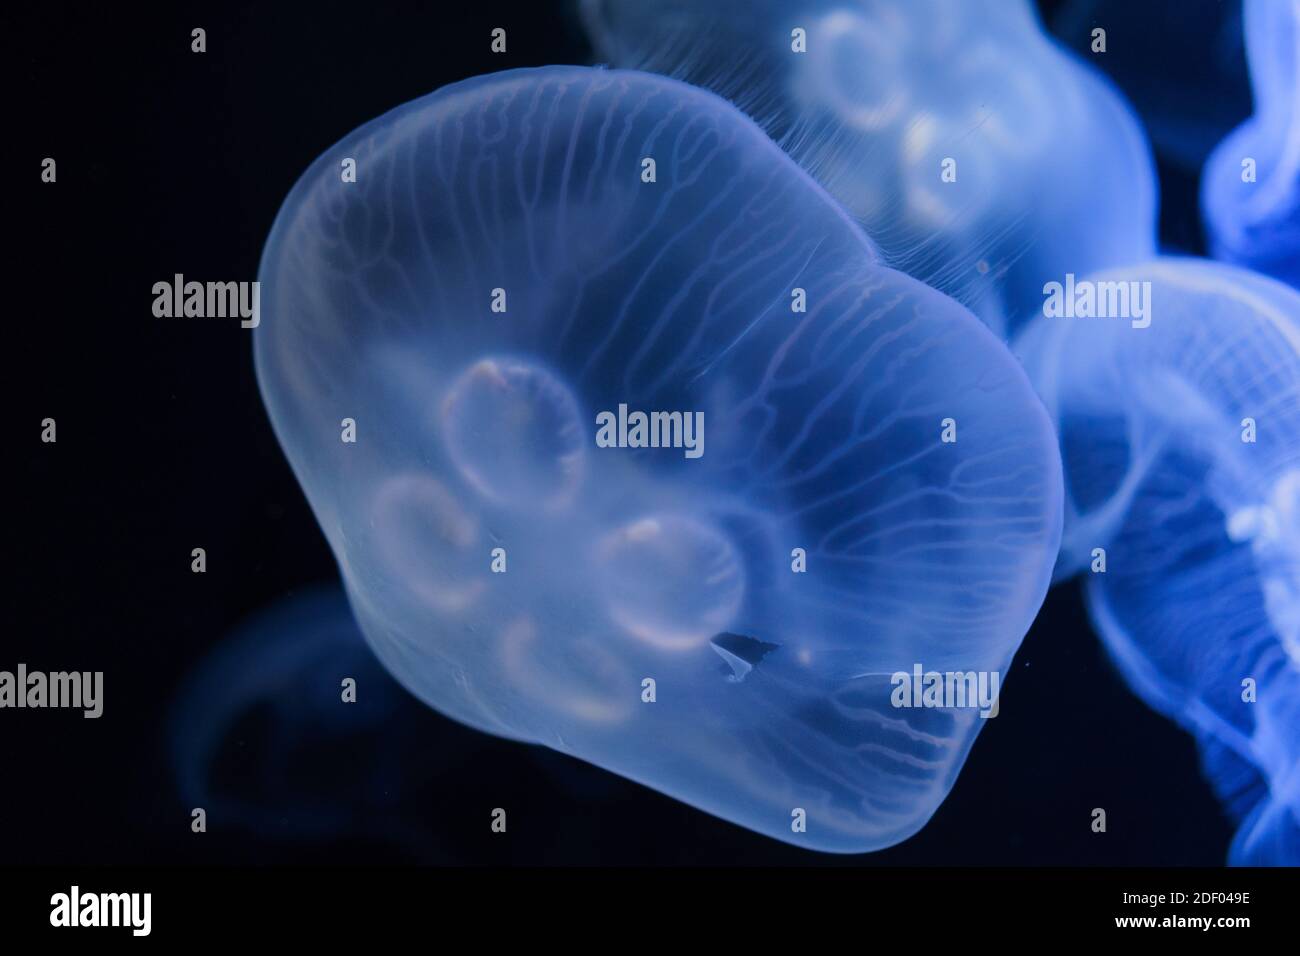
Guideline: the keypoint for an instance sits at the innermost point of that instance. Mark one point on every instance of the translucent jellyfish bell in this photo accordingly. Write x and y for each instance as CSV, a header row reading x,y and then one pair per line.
x,y
1180,435
626,444
1251,187
981,157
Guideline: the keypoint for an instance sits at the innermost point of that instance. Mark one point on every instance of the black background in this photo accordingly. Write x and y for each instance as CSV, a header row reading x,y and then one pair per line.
x,y
170,162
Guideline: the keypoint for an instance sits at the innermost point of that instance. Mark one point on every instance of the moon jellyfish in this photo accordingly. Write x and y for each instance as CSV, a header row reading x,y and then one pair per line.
x,y
627,444
1181,445
983,158
259,727
1250,191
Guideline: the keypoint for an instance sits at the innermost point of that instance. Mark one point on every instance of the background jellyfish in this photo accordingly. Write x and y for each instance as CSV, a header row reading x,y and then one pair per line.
x,y
261,739
1181,446
1251,187
981,157
526,254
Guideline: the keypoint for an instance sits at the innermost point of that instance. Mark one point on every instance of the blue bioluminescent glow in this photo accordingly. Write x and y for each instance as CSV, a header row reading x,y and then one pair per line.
x,y
1180,435
1250,189
626,443
981,157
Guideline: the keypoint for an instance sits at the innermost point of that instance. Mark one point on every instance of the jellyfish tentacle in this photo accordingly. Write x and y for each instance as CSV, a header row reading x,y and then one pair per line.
x,y
1250,190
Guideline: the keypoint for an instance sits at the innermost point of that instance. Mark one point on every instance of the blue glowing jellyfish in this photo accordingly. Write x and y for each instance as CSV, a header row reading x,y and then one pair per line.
x,y
262,740
980,156
1180,436
1251,187
627,444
